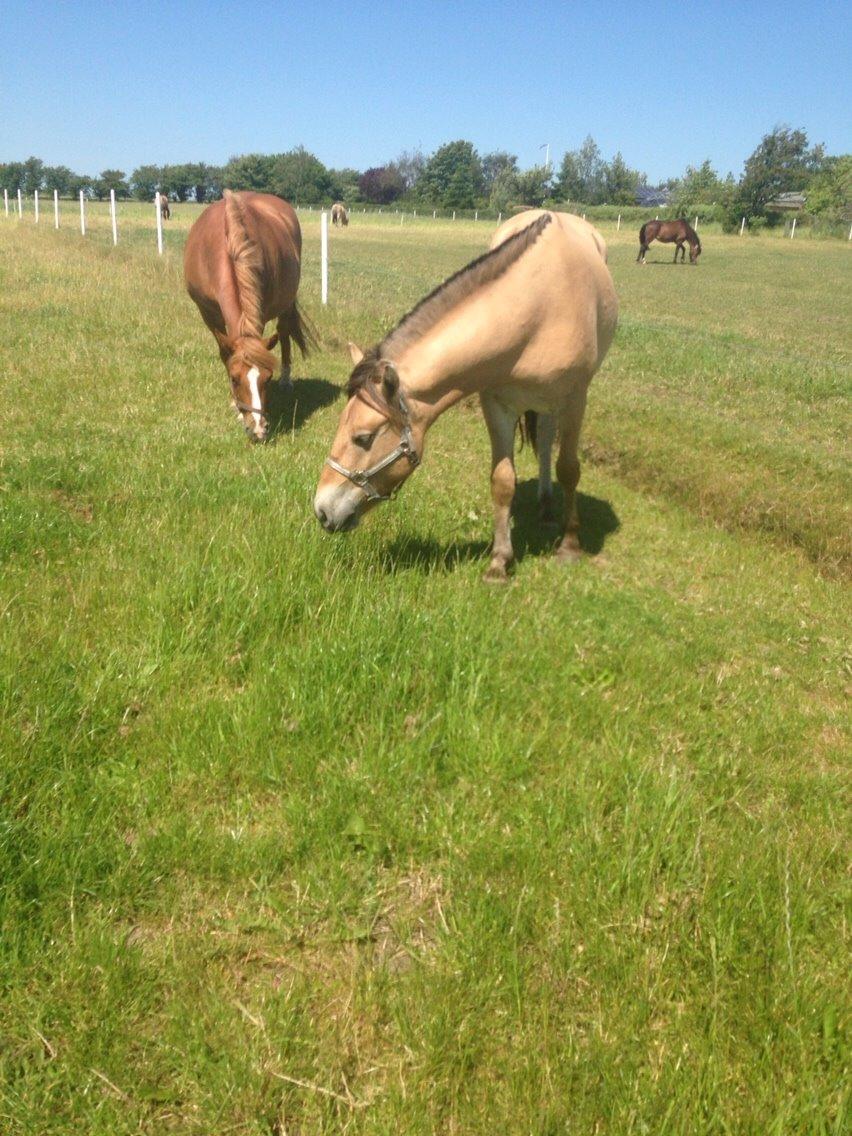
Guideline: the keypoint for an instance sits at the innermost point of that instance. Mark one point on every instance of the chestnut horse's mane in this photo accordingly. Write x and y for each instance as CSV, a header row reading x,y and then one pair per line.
x,y
247,259
446,296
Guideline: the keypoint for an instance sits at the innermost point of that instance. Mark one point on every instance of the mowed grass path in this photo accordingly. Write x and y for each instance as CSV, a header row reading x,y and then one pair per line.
x,y
303,834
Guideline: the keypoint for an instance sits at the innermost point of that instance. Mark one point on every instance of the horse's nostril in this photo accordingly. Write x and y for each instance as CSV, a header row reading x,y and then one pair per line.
x,y
322,517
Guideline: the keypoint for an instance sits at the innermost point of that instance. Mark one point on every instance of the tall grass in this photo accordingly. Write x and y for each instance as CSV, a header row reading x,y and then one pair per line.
x,y
303,834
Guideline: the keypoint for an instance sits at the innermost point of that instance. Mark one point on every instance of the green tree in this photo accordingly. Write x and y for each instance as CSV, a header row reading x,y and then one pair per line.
x,y
829,192
581,174
452,177
12,176
782,163
410,165
620,182
344,185
112,179
249,171
145,181
533,185
58,178
299,176
698,186
32,175
504,189
495,165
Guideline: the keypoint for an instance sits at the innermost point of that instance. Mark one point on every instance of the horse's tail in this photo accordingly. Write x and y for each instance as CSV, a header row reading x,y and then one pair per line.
x,y
302,331
642,233
247,259
528,429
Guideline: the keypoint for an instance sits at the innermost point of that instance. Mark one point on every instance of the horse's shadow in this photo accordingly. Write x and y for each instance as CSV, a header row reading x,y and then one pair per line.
x,y
529,536
290,407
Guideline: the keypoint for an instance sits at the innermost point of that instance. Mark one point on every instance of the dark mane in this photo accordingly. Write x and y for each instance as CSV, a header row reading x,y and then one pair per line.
x,y
461,284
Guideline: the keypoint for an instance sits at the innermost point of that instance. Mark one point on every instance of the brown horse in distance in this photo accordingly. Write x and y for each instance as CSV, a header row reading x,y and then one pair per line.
x,y
339,216
165,211
242,264
667,231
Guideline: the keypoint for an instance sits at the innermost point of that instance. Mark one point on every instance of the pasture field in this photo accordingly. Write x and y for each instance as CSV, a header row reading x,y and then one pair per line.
x,y
307,834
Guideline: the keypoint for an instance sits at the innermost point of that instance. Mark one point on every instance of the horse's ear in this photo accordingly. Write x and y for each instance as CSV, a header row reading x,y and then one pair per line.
x,y
270,343
390,381
355,354
226,345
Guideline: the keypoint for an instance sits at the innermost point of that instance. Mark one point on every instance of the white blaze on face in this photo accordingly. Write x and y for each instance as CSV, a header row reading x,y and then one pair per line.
x,y
253,377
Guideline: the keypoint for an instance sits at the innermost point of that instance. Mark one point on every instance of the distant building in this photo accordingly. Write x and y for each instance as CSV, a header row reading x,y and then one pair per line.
x,y
650,195
795,201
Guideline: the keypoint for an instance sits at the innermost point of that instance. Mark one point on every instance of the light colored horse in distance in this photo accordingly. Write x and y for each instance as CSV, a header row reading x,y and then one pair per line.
x,y
165,210
525,327
242,264
339,215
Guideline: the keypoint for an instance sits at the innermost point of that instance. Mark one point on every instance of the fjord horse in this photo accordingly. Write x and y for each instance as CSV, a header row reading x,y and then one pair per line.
x,y
241,266
668,231
339,216
165,211
525,327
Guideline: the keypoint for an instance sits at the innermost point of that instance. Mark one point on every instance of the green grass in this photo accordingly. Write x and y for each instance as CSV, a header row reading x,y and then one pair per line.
x,y
307,834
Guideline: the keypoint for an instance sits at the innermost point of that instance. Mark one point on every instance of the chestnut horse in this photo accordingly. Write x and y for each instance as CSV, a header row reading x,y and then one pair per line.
x,y
165,212
668,231
241,266
525,327
339,216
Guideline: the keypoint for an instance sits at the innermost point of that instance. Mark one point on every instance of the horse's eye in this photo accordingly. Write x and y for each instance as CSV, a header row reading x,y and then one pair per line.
x,y
364,440
235,382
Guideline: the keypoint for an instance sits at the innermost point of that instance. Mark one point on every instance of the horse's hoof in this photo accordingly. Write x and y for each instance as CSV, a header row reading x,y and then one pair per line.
x,y
568,554
496,574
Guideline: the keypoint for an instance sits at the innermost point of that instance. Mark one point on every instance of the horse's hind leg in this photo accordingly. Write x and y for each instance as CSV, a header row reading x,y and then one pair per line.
x,y
568,472
501,429
640,259
546,435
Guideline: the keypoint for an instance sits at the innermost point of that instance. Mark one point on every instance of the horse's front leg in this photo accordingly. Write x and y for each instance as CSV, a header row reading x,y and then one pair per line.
x,y
678,248
283,329
501,430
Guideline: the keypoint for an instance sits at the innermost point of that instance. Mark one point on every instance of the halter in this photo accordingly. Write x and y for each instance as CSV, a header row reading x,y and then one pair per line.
x,y
406,447
246,409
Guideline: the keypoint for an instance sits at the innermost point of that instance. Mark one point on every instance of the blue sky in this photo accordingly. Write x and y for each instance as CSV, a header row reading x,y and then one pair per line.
x,y
94,85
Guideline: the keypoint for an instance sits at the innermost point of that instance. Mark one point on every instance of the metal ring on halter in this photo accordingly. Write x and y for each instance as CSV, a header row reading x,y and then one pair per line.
x,y
405,448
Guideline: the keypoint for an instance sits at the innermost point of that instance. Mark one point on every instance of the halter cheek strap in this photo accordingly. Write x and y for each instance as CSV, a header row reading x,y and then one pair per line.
x,y
405,448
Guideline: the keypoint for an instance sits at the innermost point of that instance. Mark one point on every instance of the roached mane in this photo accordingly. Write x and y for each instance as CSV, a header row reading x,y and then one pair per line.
x,y
247,259
459,286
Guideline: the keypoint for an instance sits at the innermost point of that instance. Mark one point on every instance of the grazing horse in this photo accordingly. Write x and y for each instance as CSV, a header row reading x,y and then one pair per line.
x,y
525,326
668,231
165,212
339,216
241,266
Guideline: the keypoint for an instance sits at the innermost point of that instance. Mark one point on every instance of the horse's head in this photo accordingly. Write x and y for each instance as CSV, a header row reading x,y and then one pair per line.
x,y
374,449
250,365
694,252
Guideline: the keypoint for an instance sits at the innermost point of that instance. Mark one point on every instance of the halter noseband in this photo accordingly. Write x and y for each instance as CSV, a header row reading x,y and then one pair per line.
x,y
405,447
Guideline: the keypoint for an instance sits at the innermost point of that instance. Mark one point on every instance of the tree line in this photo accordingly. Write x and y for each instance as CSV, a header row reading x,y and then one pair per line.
x,y
456,176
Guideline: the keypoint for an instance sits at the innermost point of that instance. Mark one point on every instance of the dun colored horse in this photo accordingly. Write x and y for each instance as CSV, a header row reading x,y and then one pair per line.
x,y
339,216
165,211
668,231
241,265
525,327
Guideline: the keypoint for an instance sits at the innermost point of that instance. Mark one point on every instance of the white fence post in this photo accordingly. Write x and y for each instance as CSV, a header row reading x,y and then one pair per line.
x,y
793,230
324,257
849,238
6,201
434,214
82,214
20,206
618,226
112,216
499,218
695,226
159,222
35,200
401,217
454,214
742,227
476,215
56,208
584,216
